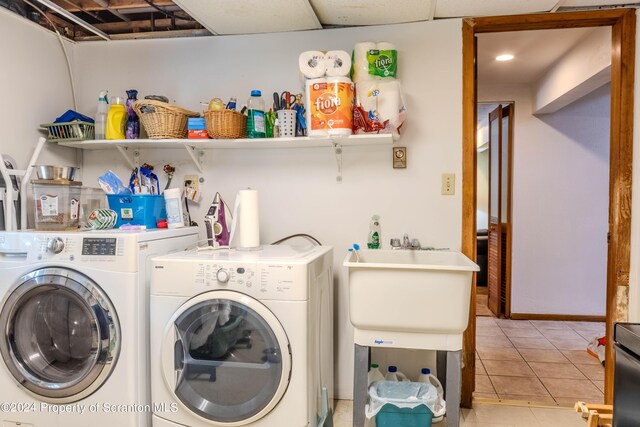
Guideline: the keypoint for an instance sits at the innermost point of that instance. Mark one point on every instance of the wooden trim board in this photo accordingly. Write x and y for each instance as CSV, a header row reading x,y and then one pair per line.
x,y
623,26
561,317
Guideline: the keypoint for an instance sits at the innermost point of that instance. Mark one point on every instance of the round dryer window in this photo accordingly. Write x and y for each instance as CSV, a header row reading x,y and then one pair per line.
x,y
231,357
62,335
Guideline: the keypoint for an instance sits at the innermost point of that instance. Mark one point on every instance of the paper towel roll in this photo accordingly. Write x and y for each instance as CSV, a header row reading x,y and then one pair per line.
x,y
338,63
316,122
382,98
386,46
312,64
360,63
248,222
339,114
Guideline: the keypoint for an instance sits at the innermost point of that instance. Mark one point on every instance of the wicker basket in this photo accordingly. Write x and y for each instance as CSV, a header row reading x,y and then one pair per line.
x,y
226,124
167,122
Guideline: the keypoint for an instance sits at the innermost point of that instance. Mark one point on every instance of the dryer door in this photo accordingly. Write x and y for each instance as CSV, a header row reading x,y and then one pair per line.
x,y
227,358
62,336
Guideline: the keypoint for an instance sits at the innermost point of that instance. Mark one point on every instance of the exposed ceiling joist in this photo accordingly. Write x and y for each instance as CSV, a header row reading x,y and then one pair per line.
x,y
120,27
115,13
91,5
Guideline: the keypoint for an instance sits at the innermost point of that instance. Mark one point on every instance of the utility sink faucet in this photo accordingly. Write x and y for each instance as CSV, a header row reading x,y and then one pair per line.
x,y
406,243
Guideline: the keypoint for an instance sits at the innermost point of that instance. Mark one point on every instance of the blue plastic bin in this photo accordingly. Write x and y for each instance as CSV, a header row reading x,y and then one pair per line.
x,y
138,209
392,416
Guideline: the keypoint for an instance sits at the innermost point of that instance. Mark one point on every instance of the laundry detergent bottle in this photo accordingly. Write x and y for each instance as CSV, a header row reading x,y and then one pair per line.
x,y
394,375
116,119
374,374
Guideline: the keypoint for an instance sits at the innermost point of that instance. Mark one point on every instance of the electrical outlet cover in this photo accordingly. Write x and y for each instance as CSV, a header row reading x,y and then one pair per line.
x,y
195,181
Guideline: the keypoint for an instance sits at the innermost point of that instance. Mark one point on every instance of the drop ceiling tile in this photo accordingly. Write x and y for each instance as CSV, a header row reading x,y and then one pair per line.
x,y
591,3
461,8
371,12
251,16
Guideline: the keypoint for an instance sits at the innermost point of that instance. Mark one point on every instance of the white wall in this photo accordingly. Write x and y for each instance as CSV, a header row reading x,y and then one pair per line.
x,y
297,187
560,203
35,87
585,68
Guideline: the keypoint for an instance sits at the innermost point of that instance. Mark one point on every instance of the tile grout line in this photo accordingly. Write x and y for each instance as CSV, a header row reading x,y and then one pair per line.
x,y
535,373
527,363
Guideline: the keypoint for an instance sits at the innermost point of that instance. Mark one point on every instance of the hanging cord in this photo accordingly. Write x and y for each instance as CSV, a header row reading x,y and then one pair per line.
x,y
64,49
308,236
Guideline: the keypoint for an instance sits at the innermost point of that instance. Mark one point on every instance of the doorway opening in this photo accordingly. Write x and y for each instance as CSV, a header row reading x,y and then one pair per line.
x,y
622,25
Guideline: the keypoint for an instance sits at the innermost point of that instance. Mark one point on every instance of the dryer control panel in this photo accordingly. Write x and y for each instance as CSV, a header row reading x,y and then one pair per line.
x,y
275,281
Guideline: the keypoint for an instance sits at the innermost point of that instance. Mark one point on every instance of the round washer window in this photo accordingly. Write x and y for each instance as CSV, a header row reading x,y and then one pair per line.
x,y
61,337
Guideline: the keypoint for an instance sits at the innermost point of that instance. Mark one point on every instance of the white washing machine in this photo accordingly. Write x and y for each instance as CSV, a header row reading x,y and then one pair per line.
x,y
74,314
242,338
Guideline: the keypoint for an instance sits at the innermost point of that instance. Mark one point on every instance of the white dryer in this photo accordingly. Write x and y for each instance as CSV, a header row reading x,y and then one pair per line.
x,y
74,314
242,338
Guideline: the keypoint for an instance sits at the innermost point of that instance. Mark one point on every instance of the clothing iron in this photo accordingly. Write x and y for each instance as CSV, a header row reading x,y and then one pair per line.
x,y
216,223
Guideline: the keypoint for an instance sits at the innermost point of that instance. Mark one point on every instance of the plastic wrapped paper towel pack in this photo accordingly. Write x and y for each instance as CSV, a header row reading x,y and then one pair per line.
x,y
374,61
379,107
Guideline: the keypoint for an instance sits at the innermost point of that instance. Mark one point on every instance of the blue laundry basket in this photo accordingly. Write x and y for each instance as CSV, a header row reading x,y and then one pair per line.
x,y
138,209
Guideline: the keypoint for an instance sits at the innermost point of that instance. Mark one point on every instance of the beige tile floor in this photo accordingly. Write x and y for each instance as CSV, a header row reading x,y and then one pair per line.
x,y
542,362
489,415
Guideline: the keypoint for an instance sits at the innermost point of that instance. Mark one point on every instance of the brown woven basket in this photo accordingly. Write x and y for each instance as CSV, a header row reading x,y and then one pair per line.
x,y
167,122
225,124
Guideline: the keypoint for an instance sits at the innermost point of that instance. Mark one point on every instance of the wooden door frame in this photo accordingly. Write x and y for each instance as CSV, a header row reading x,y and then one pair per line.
x,y
623,24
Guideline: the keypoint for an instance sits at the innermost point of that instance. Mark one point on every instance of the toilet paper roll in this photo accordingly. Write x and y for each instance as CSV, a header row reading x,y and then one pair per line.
x,y
316,121
338,63
360,62
248,219
338,107
312,64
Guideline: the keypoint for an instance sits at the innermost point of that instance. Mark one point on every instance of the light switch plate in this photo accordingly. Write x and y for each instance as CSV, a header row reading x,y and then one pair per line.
x,y
448,184
399,157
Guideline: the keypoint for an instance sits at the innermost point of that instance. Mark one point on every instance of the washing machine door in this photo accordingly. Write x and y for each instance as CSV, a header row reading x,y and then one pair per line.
x,y
227,358
62,337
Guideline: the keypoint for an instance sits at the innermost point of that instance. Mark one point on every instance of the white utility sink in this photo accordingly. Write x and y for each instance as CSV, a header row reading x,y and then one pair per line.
x,y
409,298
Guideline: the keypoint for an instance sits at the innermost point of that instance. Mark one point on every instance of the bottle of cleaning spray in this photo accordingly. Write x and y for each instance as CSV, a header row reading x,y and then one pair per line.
x,y
374,233
101,115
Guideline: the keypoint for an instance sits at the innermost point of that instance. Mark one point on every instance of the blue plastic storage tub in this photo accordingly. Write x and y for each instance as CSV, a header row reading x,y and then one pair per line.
x,y
138,209
392,416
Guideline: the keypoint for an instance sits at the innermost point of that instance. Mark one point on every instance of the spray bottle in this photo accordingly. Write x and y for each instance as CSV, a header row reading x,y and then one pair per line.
x,y
374,233
101,115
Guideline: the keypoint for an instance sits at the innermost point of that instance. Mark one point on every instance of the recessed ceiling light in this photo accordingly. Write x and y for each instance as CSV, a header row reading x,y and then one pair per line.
x,y
505,57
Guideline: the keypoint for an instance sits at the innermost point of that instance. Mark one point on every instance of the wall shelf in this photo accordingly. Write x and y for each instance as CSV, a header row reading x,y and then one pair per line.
x,y
196,147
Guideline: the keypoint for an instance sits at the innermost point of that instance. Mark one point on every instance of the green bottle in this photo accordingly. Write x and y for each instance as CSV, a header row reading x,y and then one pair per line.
x,y
374,233
255,119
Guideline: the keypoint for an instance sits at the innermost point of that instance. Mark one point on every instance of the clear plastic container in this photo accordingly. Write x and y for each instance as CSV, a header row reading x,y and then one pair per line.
x,y
57,205
90,200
